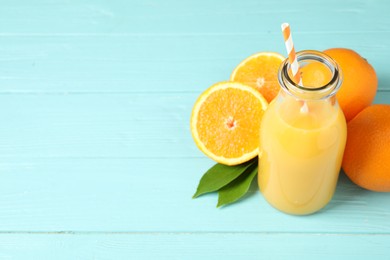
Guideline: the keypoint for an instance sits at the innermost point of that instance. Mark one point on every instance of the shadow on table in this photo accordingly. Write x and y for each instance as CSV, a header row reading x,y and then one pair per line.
x,y
348,194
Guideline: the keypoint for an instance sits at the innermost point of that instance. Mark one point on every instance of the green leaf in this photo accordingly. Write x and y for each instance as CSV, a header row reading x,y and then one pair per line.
x,y
220,175
237,188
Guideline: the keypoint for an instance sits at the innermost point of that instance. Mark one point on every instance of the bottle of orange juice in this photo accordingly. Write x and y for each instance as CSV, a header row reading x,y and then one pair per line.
x,y
302,140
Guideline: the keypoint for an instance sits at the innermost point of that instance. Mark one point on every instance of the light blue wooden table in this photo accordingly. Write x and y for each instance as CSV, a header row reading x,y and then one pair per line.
x,y
96,155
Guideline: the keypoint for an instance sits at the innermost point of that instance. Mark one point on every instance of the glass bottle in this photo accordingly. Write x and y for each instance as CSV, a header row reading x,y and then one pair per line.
x,y
302,139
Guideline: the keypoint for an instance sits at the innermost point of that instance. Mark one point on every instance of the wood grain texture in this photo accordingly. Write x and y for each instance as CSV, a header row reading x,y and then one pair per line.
x,y
154,195
193,246
114,125
154,63
200,17
96,156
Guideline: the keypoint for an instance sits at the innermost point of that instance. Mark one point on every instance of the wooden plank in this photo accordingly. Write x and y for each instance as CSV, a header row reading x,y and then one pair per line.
x,y
96,157
89,16
382,97
116,125
153,63
194,246
154,195
94,125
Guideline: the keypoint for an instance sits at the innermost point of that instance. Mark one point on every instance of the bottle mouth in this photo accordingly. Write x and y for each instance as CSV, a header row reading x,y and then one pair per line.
x,y
310,92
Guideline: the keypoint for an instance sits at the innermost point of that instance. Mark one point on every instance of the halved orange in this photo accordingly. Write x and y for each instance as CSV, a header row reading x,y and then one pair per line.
x,y
225,122
260,71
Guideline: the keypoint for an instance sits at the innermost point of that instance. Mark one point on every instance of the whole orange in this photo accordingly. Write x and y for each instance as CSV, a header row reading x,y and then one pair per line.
x,y
360,82
367,155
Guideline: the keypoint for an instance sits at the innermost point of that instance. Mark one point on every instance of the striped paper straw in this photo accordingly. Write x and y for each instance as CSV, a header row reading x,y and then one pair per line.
x,y
292,58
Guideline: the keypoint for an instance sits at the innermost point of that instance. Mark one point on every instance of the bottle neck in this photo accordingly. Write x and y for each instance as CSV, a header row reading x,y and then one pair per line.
x,y
323,92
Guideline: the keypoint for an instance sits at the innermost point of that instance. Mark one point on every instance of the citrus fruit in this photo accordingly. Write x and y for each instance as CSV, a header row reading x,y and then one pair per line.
x,y
315,75
367,156
225,122
260,71
360,82
359,85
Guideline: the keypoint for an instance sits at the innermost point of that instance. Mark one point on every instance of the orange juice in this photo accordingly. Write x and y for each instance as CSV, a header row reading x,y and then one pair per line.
x,y
301,149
